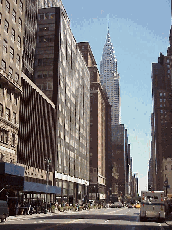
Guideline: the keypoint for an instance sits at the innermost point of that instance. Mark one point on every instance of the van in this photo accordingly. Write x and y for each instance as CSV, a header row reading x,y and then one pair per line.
x,y
4,210
152,205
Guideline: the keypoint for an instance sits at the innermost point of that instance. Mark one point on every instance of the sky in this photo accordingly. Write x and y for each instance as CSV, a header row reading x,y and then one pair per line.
x,y
139,31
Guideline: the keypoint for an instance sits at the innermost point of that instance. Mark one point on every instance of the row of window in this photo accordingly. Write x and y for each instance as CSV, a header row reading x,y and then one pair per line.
x,y
46,16
44,62
10,70
162,94
162,105
44,75
13,38
7,114
45,86
7,5
4,137
6,25
15,97
43,39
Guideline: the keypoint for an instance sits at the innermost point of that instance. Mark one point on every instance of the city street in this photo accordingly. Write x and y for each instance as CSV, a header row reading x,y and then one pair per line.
x,y
110,218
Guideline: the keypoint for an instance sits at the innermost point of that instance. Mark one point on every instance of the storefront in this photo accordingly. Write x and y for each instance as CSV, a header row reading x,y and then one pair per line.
x,y
11,183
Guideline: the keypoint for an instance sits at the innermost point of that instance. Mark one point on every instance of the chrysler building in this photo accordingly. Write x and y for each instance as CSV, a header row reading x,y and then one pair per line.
x,y
110,79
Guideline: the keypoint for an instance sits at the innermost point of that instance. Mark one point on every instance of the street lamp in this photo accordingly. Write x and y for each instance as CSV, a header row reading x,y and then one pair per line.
x,y
48,161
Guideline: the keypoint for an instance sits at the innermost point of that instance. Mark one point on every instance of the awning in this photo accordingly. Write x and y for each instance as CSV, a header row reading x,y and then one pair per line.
x,y
12,169
41,188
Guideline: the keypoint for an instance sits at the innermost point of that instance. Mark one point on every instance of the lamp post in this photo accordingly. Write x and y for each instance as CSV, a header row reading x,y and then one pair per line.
x,y
48,161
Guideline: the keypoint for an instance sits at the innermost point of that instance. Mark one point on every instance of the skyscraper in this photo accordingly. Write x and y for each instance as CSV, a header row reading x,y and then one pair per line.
x,y
110,78
161,120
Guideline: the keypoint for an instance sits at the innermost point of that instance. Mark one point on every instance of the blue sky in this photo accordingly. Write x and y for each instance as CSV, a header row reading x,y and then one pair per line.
x,y
139,31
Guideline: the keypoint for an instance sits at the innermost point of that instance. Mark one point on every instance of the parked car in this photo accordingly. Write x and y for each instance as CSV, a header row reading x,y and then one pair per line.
x,y
4,210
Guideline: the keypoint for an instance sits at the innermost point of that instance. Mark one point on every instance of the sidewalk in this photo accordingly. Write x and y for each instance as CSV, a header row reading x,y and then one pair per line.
x,y
27,217
168,220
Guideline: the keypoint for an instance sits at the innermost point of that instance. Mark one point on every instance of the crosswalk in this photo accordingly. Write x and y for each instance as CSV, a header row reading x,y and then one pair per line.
x,y
28,217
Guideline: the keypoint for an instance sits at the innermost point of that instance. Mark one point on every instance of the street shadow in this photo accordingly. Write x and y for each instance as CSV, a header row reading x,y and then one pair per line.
x,y
90,216
78,226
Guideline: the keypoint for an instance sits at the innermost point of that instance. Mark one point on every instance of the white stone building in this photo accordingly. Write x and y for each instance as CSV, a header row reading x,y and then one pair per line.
x,y
110,78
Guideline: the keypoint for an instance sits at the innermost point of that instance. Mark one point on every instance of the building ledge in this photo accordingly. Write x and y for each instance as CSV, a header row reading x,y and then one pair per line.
x,y
12,83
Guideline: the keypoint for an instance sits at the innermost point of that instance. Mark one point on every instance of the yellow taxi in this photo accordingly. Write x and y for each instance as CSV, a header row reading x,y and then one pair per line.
x,y
137,205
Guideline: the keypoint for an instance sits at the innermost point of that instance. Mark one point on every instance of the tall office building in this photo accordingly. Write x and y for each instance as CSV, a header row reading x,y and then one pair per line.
x,y
61,73
100,131
11,40
161,152
110,78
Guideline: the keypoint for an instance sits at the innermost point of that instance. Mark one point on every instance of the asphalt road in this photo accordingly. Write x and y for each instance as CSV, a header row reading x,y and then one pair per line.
x,y
111,218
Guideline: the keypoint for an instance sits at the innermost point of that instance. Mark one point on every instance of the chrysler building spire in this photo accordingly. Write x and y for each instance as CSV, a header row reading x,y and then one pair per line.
x,y
110,78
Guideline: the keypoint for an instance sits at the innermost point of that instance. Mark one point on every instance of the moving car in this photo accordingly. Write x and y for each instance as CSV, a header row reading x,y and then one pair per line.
x,y
137,205
152,205
130,206
116,205
4,210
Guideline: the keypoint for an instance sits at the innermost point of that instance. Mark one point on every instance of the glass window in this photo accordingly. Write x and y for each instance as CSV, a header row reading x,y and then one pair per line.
x,y
13,34
39,76
3,64
43,28
7,114
4,46
8,94
7,5
41,38
11,53
13,139
16,77
5,137
10,71
18,59
1,135
39,62
46,15
44,75
14,15
21,5
1,110
41,16
52,16
19,41
15,99
6,26
20,23
14,117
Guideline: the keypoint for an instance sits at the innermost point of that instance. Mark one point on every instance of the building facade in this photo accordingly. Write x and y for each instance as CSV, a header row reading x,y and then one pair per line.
x,y
37,143
100,131
118,160
61,73
110,78
11,47
29,37
162,116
